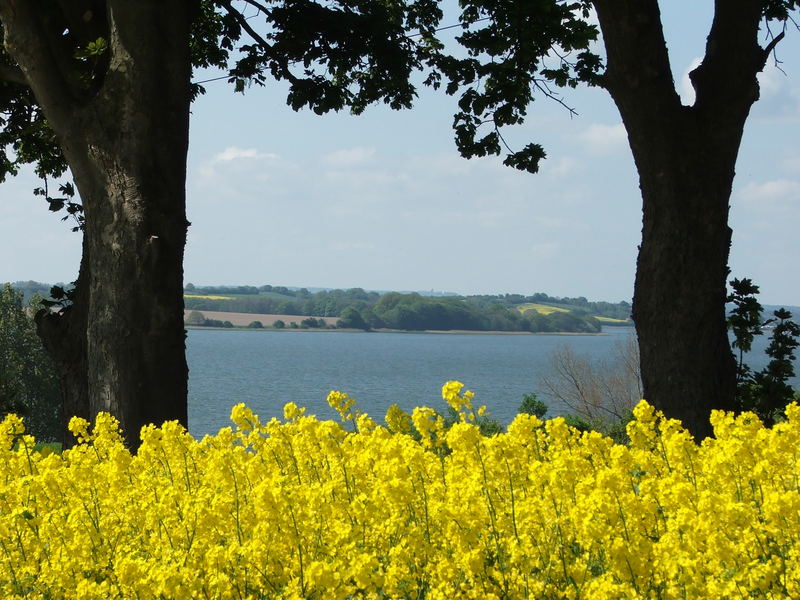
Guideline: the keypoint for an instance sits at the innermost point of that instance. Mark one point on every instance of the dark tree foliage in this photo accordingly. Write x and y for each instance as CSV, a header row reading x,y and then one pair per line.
x,y
765,392
510,47
352,319
744,321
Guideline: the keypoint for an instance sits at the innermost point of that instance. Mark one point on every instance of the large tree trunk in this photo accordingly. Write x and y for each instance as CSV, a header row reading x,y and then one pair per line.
x,y
685,157
126,143
687,365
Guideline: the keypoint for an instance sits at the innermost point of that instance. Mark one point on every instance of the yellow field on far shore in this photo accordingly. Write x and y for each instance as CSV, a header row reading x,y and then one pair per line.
x,y
207,297
543,309
612,320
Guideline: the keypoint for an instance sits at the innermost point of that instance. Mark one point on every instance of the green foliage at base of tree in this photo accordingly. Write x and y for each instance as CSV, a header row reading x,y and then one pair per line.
x,y
765,392
28,382
531,405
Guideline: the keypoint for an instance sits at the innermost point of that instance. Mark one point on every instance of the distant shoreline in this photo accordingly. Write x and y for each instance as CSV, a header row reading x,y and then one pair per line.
x,y
243,320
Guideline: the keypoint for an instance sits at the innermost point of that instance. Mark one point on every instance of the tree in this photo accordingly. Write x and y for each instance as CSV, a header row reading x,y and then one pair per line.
x,y
744,321
28,383
764,392
773,392
195,317
685,155
602,392
352,319
103,87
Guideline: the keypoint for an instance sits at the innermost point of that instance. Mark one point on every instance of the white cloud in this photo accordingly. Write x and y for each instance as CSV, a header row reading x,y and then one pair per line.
x,y
775,195
604,139
232,153
771,80
349,157
560,167
686,89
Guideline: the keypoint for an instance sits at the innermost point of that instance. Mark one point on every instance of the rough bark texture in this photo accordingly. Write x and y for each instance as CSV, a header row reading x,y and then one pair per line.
x,y
126,140
685,157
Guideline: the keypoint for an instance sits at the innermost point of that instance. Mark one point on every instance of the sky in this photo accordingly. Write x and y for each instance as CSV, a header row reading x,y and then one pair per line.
x,y
383,201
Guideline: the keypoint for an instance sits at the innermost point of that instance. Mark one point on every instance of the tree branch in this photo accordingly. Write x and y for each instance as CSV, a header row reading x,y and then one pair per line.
x,y
257,5
725,82
771,46
266,46
240,18
638,73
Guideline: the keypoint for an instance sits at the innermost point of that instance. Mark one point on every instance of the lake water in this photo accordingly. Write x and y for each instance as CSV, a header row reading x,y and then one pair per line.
x,y
266,369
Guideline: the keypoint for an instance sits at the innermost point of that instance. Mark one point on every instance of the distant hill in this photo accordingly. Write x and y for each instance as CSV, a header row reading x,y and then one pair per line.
x,y
31,288
359,308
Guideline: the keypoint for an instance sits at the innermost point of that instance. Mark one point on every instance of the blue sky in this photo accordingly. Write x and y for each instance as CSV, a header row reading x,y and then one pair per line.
x,y
383,201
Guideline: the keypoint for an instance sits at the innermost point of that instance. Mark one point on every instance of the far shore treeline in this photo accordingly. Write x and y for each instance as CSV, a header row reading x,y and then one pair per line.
x,y
360,309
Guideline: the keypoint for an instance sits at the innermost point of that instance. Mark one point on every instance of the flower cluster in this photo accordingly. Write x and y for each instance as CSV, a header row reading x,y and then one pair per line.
x,y
304,508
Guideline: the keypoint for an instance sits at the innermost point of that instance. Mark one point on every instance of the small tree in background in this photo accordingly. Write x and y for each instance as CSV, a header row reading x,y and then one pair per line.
x,y
744,322
531,405
770,392
28,381
765,392
352,319
196,318
601,393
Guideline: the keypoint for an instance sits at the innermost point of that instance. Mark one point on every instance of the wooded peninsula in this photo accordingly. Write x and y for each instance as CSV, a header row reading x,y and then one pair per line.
x,y
357,308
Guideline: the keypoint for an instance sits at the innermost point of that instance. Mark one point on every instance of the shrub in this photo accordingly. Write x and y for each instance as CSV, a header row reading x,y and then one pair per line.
x,y
196,318
28,380
531,405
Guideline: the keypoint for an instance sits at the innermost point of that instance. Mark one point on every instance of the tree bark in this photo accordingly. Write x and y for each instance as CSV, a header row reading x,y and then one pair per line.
x,y
125,138
686,160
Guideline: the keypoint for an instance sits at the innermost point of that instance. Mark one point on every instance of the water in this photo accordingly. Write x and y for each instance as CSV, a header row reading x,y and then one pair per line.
x,y
266,369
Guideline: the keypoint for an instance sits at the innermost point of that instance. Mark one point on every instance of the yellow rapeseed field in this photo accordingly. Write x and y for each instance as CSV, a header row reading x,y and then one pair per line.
x,y
208,297
303,508
544,309
611,320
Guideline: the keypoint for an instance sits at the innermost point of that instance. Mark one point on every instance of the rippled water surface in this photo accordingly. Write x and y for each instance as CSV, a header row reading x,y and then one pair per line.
x,y
266,369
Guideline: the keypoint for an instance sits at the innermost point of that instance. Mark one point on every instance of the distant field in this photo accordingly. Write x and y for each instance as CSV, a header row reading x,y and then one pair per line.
x,y
611,320
208,297
244,319
540,308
